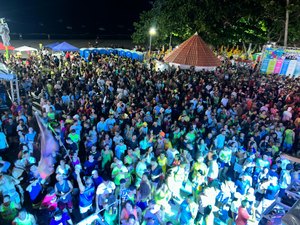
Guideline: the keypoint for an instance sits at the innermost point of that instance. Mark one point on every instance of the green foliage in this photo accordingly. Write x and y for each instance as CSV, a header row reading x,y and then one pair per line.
x,y
219,22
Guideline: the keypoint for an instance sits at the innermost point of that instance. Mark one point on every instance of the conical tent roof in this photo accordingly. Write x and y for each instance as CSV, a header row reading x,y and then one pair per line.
x,y
193,52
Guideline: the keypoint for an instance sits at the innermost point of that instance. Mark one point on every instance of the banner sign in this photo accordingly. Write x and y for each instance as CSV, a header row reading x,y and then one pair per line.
x,y
271,66
278,66
291,68
284,67
281,61
297,70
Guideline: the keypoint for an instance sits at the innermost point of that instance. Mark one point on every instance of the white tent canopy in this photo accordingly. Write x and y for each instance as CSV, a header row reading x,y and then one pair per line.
x,y
25,49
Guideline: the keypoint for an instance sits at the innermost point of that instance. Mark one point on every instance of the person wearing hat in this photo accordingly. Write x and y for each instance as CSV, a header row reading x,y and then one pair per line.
x,y
148,118
144,129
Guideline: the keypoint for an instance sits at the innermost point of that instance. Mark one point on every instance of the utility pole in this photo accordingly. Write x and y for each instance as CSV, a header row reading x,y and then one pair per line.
x,y
286,30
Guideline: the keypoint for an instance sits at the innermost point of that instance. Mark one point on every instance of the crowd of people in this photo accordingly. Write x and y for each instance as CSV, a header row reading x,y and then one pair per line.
x,y
141,146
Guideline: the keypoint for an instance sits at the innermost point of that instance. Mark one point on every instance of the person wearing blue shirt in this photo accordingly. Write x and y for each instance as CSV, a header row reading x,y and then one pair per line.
x,y
110,122
120,150
61,218
3,142
87,193
77,127
188,211
65,99
101,125
220,140
242,185
271,188
29,138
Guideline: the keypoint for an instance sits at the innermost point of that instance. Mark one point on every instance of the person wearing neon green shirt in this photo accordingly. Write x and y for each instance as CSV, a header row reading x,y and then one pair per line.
x,y
289,137
74,137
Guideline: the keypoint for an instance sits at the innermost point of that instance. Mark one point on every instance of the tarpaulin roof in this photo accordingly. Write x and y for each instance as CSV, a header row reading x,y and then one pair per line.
x,y
26,49
65,47
2,47
193,52
52,45
5,74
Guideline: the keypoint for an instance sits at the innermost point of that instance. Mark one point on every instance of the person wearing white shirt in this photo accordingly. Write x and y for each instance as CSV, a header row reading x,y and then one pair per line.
x,y
103,191
224,101
213,169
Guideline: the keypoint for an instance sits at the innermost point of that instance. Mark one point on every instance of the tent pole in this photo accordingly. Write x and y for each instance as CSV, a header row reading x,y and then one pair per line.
x,y
17,90
6,53
12,91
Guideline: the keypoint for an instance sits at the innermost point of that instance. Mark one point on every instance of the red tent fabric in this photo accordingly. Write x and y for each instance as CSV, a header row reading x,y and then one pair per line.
x,y
193,52
2,47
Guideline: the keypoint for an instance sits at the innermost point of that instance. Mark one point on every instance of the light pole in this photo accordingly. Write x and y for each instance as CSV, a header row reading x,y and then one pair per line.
x,y
152,32
286,29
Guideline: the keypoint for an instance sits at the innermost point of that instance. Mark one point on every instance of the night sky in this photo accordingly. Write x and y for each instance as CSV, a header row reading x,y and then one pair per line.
x,y
86,18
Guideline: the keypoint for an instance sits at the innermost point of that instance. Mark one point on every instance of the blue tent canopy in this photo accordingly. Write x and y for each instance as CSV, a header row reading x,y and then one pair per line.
x,y
103,51
52,45
85,52
65,47
137,56
128,54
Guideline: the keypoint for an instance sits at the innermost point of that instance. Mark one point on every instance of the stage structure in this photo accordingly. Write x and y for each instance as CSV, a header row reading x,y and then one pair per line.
x,y
7,75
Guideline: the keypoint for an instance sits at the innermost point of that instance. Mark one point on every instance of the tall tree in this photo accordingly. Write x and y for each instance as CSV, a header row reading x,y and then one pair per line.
x,y
219,22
